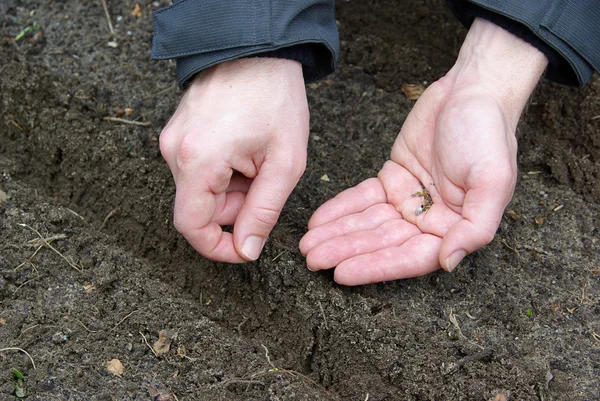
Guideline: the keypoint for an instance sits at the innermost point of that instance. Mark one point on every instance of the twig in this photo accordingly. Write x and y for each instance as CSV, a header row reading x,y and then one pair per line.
x,y
122,320
105,6
454,321
503,242
596,117
22,350
25,283
149,346
110,214
29,258
162,92
13,122
51,247
27,329
85,327
124,121
268,358
35,241
76,214
453,367
248,383
279,255
323,313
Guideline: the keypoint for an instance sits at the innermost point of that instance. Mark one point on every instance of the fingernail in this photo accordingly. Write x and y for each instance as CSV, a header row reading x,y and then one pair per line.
x,y
253,246
308,267
453,260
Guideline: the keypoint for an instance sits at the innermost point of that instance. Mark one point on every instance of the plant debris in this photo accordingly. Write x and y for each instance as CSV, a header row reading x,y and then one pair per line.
x,y
137,11
28,30
115,367
413,91
20,386
163,344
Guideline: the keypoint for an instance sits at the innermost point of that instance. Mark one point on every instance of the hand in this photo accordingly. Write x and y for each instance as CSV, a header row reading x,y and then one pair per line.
x,y
237,147
459,143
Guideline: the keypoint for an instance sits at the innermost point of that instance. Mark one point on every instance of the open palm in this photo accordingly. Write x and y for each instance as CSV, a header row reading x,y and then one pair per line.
x,y
457,143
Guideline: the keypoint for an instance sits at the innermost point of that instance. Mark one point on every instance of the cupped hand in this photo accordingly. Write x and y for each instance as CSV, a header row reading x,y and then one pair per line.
x,y
237,147
457,146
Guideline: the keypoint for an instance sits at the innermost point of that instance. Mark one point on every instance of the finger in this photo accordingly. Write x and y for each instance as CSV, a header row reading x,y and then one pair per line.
x,y
264,202
195,206
367,220
401,187
390,234
239,183
482,212
416,257
353,200
227,208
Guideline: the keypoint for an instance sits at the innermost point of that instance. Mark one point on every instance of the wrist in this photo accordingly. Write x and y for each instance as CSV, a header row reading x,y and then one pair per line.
x,y
499,63
252,69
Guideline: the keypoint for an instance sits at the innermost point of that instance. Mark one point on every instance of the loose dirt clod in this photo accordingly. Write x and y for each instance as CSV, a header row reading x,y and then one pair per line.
x,y
163,344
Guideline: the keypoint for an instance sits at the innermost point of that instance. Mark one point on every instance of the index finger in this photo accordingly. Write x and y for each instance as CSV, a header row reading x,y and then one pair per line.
x,y
350,201
195,205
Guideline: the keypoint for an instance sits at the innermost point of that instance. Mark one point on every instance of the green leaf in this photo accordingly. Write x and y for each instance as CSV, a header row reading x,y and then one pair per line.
x,y
30,28
18,375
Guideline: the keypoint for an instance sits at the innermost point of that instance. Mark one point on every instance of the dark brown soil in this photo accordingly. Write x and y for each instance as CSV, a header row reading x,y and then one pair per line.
x,y
520,316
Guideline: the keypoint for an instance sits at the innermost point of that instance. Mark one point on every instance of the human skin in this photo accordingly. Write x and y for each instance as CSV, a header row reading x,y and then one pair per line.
x,y
236,146
459,142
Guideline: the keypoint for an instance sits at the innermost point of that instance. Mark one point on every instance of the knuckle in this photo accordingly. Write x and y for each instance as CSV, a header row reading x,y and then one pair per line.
x,y
180,224
294,166
166,142
188,151
487,236
265,216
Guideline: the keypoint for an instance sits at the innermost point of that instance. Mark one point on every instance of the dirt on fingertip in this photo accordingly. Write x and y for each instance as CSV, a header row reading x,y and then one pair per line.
x,y
92,270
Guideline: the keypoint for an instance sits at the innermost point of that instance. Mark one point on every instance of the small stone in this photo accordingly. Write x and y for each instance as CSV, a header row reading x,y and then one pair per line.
x,y
112,44
59,338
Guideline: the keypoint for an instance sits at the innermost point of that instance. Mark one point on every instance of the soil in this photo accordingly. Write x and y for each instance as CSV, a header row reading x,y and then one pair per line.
x,y
519,317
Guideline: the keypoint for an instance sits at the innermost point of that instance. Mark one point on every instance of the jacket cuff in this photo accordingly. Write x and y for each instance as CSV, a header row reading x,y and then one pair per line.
x,y
538,25
201,34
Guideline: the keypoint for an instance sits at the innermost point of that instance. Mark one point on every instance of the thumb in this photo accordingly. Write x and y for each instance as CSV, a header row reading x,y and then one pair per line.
x,y
482,211
265,200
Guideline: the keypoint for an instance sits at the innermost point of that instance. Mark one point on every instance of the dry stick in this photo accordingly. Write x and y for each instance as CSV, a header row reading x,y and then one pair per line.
x,y
453,367
148,344
279,255
324,317
122,320
124,121
27,329
268,358
51,247
85,327
22,285
111,214
105,6
29,258
162,92
19,349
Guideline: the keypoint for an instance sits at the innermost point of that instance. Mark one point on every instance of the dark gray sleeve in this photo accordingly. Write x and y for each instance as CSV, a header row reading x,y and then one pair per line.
x,y
567,31
203,33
